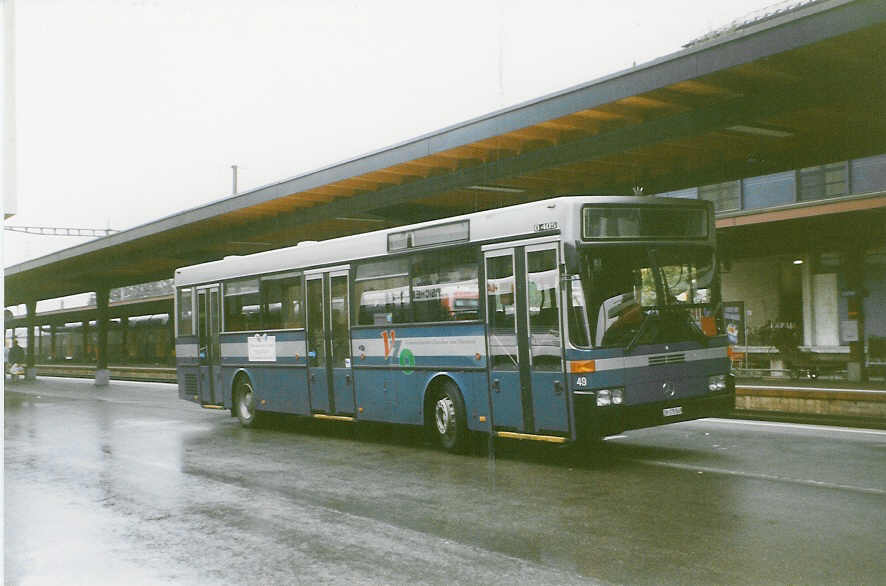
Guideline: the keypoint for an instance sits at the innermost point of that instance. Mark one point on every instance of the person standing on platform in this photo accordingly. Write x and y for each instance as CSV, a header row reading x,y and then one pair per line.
x,y
16,359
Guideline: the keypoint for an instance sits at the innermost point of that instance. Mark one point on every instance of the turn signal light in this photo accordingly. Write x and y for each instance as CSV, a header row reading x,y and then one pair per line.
x,y
581,366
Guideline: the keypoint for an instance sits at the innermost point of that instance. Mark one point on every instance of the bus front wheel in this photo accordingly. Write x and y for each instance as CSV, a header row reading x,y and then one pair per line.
x,y
244,402
447,421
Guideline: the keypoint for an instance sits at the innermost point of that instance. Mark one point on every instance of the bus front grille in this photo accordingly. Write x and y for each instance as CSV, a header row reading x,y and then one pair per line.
x,y
666,359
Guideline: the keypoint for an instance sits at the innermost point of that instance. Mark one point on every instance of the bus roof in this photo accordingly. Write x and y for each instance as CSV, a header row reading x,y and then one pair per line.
x,y
523,220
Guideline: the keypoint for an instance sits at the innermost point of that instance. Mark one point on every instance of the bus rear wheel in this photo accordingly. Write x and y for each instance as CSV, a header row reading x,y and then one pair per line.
x,y
244,402
447,421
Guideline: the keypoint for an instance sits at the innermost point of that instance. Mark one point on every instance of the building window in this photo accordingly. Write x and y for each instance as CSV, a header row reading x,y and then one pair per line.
x,y
869,174
726,196
768,190
691,193
822,181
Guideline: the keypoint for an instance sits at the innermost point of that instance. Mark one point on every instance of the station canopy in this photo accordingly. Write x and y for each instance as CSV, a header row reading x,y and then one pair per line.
x,y
793,89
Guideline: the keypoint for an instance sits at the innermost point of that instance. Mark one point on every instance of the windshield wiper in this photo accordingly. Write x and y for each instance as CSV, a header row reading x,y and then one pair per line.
x,y
663,289
640,331
682,310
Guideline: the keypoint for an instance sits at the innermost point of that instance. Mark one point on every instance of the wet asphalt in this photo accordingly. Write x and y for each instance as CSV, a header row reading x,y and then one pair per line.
x,y
129,484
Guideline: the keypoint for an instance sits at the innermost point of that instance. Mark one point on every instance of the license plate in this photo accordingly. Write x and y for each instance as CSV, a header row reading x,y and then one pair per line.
x,y
671,411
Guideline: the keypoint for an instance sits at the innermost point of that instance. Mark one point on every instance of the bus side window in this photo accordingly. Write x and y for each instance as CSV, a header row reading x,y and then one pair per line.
x,y
382,292
579,333
242,305
283,297
185,312
445,286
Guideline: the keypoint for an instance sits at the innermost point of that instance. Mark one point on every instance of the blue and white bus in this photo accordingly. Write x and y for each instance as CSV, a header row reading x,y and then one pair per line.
x,y
559,320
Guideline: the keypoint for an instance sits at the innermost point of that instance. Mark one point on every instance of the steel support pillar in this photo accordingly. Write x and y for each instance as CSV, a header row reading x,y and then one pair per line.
x,y
856,368
171,330
102,374
84,356
124,340
30,369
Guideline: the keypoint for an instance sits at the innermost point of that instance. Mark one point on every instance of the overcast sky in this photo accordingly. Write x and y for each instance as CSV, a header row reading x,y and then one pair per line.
x,y
132,110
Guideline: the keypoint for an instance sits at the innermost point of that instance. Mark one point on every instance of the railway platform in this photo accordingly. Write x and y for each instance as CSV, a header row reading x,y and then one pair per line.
x,y
819,401
826,402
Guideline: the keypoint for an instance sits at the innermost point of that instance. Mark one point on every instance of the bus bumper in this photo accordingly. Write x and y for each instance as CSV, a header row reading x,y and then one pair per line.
x,y
594,422
713,405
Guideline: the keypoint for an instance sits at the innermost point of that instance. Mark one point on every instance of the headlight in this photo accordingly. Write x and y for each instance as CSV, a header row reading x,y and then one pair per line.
x,y
717,383
606,397
617,396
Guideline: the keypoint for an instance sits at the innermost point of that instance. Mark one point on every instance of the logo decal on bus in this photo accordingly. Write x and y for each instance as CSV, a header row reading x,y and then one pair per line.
x,y
407,361
390,339
404,357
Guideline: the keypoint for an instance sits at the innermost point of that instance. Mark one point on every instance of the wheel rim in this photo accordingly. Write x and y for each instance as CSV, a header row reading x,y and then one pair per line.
x,y
244,402
444,415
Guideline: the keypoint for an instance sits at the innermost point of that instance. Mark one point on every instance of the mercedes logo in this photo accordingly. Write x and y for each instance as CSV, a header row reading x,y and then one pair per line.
x,y
669,389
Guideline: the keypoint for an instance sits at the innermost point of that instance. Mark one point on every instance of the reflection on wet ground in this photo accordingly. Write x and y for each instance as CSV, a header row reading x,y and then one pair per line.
x,y
130,481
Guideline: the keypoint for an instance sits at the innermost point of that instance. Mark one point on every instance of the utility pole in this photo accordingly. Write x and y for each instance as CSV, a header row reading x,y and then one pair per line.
x,y
8,183
234,168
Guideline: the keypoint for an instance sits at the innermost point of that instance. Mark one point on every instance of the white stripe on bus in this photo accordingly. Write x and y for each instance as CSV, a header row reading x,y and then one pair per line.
x,y
422,346
642,360
286,349
186,350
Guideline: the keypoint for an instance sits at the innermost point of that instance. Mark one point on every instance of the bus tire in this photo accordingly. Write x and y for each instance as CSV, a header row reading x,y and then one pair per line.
x,y
447,419
244,402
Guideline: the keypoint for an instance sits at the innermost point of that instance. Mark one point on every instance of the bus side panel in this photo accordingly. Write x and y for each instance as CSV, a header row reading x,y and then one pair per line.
x,y
393,365
187,368
409,392
374,395
476,394
394,396
409,387
278,370
283,389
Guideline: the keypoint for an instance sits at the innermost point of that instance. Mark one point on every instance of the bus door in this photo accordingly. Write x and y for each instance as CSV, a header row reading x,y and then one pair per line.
x,y
546,364
209,348
329,347
524,339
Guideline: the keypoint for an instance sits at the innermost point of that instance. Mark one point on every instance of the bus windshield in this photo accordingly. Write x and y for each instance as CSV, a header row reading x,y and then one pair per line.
x,y
643,294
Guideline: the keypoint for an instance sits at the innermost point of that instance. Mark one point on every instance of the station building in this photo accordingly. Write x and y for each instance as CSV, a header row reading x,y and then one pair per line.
x,y
803,257
780,120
